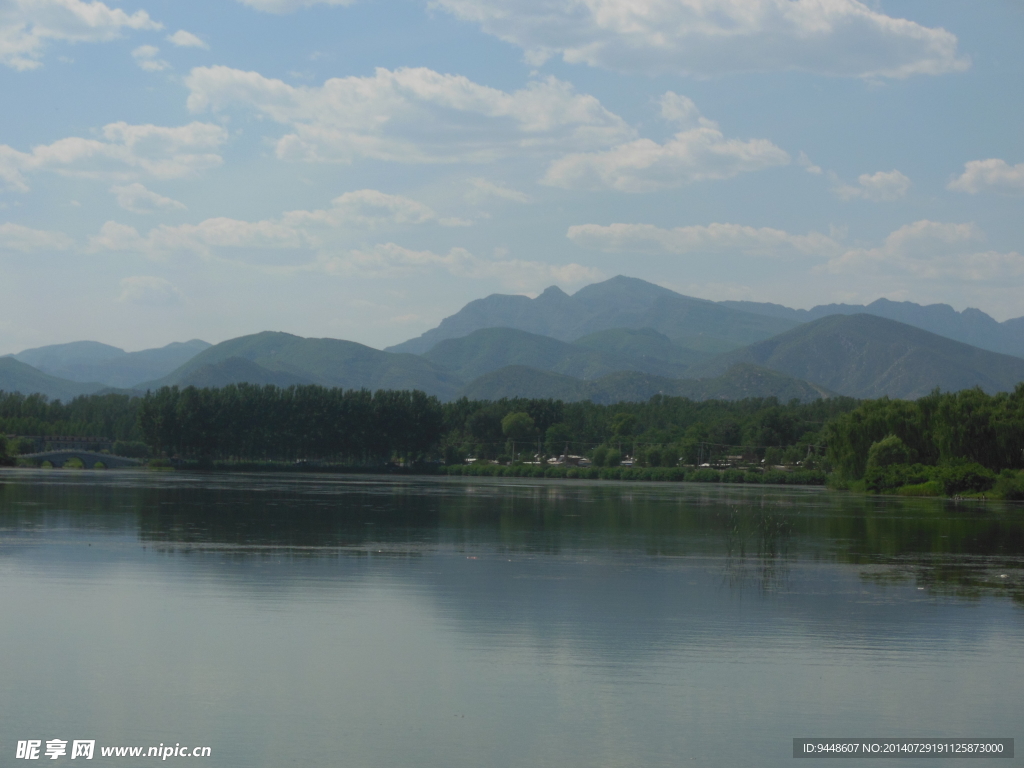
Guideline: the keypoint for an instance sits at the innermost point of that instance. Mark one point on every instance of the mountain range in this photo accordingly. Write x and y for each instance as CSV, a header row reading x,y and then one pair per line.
x,y
107,366
623,339
622,302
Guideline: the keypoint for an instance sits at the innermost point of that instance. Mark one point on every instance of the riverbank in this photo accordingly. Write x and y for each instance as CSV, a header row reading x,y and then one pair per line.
x,y
933,482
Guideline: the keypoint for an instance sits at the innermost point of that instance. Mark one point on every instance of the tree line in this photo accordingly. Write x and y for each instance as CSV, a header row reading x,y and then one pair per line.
x,y
110,416
884,443
300,422
268,422
664,431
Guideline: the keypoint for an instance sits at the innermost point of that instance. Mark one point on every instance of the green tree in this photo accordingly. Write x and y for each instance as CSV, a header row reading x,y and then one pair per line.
x,y
518,426
888,451
623,424
557,437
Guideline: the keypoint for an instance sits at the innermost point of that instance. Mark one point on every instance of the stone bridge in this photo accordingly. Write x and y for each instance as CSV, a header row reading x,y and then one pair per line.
x,y
88,458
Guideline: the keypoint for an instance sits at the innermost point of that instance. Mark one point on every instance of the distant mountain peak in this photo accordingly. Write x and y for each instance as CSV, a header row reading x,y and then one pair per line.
x,y
620,302
553,291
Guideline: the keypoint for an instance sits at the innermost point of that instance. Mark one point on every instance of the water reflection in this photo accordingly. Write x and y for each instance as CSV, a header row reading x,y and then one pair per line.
x,y
966,547
367,621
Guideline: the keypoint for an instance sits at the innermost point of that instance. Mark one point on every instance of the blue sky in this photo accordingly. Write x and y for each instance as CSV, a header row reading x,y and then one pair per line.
x,y
360,170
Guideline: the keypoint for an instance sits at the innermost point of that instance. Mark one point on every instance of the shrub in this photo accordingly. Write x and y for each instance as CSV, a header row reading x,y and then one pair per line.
x,y
806,477
967,477
1010,485
885,479
931,488
704,476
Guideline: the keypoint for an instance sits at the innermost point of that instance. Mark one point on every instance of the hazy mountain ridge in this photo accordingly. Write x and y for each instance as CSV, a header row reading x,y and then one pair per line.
x,y
16,376
860,355
91,361
868,356
621,302
971,326
599,354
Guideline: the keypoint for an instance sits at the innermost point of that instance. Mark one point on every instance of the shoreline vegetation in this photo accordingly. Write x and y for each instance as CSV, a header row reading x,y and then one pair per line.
x,y
960,445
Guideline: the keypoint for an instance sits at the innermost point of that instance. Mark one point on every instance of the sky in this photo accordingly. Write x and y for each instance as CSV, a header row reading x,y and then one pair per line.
x,y
361,169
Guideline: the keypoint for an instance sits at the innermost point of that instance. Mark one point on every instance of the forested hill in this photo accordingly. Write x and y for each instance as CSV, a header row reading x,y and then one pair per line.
x,y
329,362
971,326
741,381
867,356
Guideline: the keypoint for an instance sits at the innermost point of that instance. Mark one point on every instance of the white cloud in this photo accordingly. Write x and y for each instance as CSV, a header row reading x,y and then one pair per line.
x,y
124,152
700,152
713,238
149,292
204,238
993,174
709,37
411,115
932,250
367,207
289,6
805,162
222,238
299,230
15,237
184,39
137,199
146,57
884,186
388,260
26,26
924,250
483,189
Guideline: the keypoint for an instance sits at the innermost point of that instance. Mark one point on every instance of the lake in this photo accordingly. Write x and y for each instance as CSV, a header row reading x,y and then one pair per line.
x,y
331,620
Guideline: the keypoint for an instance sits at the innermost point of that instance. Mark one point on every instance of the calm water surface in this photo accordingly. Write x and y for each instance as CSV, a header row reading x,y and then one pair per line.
x,y
365,621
